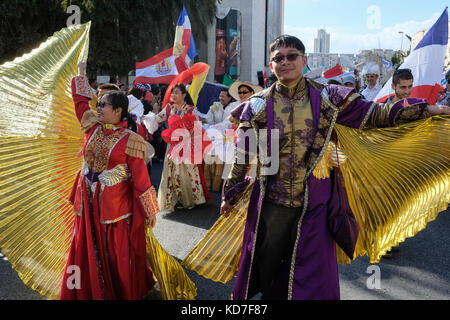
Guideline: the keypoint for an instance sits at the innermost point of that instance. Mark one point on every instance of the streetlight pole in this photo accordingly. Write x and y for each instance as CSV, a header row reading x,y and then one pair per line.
x,y
401,45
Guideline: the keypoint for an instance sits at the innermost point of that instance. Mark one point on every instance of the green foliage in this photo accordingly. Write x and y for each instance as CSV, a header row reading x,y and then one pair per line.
x,y
122,32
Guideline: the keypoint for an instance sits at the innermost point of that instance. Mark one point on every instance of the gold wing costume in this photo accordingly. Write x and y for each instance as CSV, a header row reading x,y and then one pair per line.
x,y
40,138
397,180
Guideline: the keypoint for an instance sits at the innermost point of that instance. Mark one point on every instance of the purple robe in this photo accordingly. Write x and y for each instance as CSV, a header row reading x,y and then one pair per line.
x,y
312,271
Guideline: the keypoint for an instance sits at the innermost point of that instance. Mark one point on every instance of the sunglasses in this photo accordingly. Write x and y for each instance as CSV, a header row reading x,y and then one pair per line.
x,y
243,92
289,57
102,104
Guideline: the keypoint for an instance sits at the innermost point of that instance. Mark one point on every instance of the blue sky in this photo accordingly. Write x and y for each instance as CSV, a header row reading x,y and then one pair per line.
x,y
358,25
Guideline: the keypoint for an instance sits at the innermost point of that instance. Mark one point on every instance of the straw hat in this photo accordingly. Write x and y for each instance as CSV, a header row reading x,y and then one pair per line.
x,y
233,90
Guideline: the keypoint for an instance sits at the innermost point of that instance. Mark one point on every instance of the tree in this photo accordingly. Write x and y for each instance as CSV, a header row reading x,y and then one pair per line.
x,y
25,24
122,32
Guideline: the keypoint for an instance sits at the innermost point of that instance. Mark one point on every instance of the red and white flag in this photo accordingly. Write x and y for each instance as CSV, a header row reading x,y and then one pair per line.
x,y
426,62
162,68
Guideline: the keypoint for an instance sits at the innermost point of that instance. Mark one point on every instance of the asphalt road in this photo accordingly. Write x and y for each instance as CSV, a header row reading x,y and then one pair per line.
x,y
419,271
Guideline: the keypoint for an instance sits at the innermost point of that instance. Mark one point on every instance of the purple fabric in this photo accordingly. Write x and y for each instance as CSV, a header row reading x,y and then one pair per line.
x,y
243,112
314,96
316,270
240,286
399,105
270,125
338,94
230,194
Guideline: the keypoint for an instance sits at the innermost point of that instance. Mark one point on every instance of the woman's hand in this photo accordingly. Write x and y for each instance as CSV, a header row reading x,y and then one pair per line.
x,y
152,220
82,68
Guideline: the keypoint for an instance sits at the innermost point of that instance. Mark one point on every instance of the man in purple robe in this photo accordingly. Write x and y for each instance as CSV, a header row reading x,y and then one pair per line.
x,y
288,251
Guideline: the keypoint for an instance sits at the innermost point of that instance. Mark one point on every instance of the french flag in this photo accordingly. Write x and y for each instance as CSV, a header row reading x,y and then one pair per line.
x,y
426,62
184,44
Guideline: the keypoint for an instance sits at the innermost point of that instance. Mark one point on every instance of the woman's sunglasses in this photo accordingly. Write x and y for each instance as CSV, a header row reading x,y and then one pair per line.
x,y
102,104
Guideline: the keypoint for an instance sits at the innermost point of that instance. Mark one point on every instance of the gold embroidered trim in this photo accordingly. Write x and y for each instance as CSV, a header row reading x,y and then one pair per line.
x,y
116,220
136,146
349,100
233,120
82,87
244,124
366,118
149,201
88,120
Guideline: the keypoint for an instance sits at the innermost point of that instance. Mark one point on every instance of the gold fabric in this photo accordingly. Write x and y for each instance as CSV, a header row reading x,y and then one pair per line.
x,y
216,256
173,281
136,146
397,180
291,117
40,139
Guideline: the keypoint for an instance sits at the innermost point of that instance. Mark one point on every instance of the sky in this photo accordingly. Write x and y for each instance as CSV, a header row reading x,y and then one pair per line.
x,y
360,25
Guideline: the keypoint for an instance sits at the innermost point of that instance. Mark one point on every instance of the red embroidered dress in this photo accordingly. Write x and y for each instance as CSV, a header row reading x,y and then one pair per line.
x,y
112,197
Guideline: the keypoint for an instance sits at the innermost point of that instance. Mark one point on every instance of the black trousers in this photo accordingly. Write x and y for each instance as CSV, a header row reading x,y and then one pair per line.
x,y
276,237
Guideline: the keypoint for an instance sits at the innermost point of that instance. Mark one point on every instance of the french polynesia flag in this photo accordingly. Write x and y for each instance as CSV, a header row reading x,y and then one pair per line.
x,y
162,68
426,62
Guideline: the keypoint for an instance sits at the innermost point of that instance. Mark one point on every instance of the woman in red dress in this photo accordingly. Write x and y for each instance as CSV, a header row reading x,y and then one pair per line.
x,y
113,201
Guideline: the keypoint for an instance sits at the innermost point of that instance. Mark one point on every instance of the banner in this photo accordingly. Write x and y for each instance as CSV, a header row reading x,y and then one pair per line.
x,y
228,44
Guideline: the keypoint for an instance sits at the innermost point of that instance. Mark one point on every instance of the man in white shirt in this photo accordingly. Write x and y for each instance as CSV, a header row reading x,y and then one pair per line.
x,y
373,87
217,119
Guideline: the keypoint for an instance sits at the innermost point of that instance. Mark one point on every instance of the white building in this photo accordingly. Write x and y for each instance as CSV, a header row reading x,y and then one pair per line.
x,y
322,42
250,27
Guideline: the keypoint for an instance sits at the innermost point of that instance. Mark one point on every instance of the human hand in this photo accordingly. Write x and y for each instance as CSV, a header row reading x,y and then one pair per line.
x,y
438,110
82,68
152,220
225,208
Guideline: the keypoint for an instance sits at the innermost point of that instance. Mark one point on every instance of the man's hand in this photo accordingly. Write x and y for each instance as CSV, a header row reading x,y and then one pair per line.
x,y
437,110
225,208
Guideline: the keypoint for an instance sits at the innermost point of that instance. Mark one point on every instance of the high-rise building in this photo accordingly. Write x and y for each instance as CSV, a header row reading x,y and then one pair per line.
x,y
322,42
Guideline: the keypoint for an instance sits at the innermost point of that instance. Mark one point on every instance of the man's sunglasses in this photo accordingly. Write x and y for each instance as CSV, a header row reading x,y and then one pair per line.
x,y
289,57
243,92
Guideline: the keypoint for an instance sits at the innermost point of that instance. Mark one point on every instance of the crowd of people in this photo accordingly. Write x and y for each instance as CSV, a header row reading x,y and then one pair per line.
x,y
112,213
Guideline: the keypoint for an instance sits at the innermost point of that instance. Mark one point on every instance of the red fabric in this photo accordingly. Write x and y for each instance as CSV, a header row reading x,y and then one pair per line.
x,y
333,72
186,122
109,258
203,181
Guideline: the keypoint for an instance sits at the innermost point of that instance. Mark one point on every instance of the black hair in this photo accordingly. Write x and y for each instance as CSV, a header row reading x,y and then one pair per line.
x,y
155,90
246,86
119,100
136,92
228,93
225,90
287,41
183,90
108,86
401,74
334,82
